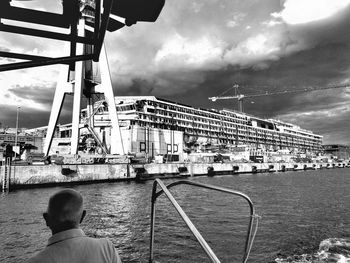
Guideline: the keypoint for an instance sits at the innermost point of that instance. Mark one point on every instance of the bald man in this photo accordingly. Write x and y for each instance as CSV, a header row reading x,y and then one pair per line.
x,y
68,242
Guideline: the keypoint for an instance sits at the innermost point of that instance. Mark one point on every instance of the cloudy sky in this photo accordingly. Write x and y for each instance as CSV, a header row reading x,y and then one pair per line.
x,y
201,48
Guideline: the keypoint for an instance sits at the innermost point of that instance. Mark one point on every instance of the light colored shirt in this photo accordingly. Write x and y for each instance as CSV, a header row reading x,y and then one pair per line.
x,y
73,246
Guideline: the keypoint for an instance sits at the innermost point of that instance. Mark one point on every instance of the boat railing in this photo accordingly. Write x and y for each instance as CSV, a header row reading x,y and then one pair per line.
x,y
165,190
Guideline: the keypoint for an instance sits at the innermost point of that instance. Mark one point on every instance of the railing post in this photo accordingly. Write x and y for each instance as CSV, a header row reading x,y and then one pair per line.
x,y
3,168
153,215
165,190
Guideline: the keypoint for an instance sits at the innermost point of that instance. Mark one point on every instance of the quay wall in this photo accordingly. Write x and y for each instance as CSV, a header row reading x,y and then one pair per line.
x,y
44,175
195,169
35,175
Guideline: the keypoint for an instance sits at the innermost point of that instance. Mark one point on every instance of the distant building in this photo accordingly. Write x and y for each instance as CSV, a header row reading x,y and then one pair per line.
x,y
9,138
338,150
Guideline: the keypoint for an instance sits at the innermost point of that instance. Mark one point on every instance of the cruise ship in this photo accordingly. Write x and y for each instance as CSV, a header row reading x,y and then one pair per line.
x,y
155,126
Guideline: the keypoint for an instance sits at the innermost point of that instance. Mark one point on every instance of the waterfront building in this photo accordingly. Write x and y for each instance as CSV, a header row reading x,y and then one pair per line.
x,y
337,150
32,142
155,126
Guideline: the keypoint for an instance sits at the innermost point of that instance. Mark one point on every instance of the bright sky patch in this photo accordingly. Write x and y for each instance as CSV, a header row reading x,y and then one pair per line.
x,y
305,11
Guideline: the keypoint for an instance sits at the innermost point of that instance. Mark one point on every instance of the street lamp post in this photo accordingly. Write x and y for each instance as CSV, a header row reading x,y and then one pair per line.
x,y
18,107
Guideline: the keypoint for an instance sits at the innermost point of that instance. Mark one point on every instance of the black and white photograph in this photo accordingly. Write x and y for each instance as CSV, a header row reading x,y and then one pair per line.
x,y
177,131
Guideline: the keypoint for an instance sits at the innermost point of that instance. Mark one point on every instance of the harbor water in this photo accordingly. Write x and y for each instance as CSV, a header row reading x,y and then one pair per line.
x,y
299,211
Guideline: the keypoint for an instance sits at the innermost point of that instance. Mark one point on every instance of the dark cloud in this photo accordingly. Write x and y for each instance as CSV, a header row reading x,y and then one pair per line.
x,y
138,87
28,117
333,124
198,49
312,51
41,95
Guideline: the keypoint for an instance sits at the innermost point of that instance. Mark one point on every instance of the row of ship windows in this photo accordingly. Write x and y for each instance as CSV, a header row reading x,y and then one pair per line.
x,y
313,146
204,118
301,132
126,107
242,137
222,129
240,129
191,119
203,124
192,124
200,112
166,107
13,138
271,135
236,142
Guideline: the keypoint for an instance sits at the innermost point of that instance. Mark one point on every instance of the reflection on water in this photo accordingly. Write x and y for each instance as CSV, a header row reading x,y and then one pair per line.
x,y
298,209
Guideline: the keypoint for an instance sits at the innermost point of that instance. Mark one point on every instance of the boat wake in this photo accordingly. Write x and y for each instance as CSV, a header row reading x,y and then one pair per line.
x,y
331,250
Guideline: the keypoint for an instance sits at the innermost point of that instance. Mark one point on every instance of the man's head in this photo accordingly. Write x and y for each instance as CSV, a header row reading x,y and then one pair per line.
x,y
64,211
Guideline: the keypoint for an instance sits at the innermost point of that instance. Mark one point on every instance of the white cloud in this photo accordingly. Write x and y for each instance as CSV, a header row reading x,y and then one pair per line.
x,y
257,45
193,53
271,23
208,53
254,49
231,23
302,11
197,7
236,20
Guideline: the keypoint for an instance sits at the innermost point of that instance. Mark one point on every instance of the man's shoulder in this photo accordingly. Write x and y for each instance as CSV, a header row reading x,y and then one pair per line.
x,y
40,257
97,241
106,246
78,246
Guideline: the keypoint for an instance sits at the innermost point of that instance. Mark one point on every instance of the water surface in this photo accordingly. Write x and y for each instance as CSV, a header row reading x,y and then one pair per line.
x,y
299,210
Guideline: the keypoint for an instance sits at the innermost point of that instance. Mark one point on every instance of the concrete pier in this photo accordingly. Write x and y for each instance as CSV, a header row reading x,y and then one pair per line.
x,y
45,175
48,175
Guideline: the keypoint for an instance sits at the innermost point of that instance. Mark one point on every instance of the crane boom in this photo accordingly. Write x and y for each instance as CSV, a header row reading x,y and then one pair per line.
x,y
242,96
226,97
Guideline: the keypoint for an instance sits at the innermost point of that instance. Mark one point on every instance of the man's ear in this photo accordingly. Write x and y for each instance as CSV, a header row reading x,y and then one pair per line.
x,y
46,217
82,216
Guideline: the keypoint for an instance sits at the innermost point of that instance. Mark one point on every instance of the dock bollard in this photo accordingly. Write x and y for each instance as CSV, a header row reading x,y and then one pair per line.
x,y
254,169
182,169
139,172
283,168
210,171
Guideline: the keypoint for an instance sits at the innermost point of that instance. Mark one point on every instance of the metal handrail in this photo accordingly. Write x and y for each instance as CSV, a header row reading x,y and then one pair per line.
x,y
190,225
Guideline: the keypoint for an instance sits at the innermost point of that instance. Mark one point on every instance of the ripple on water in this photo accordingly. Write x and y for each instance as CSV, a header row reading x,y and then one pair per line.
x,y
298,211
331,250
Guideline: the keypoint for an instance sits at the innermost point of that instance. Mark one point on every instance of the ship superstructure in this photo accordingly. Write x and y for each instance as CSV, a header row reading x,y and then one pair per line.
x,y
157,126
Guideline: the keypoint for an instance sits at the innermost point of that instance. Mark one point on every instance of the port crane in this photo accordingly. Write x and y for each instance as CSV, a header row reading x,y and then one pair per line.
x,y
241,97
84,65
